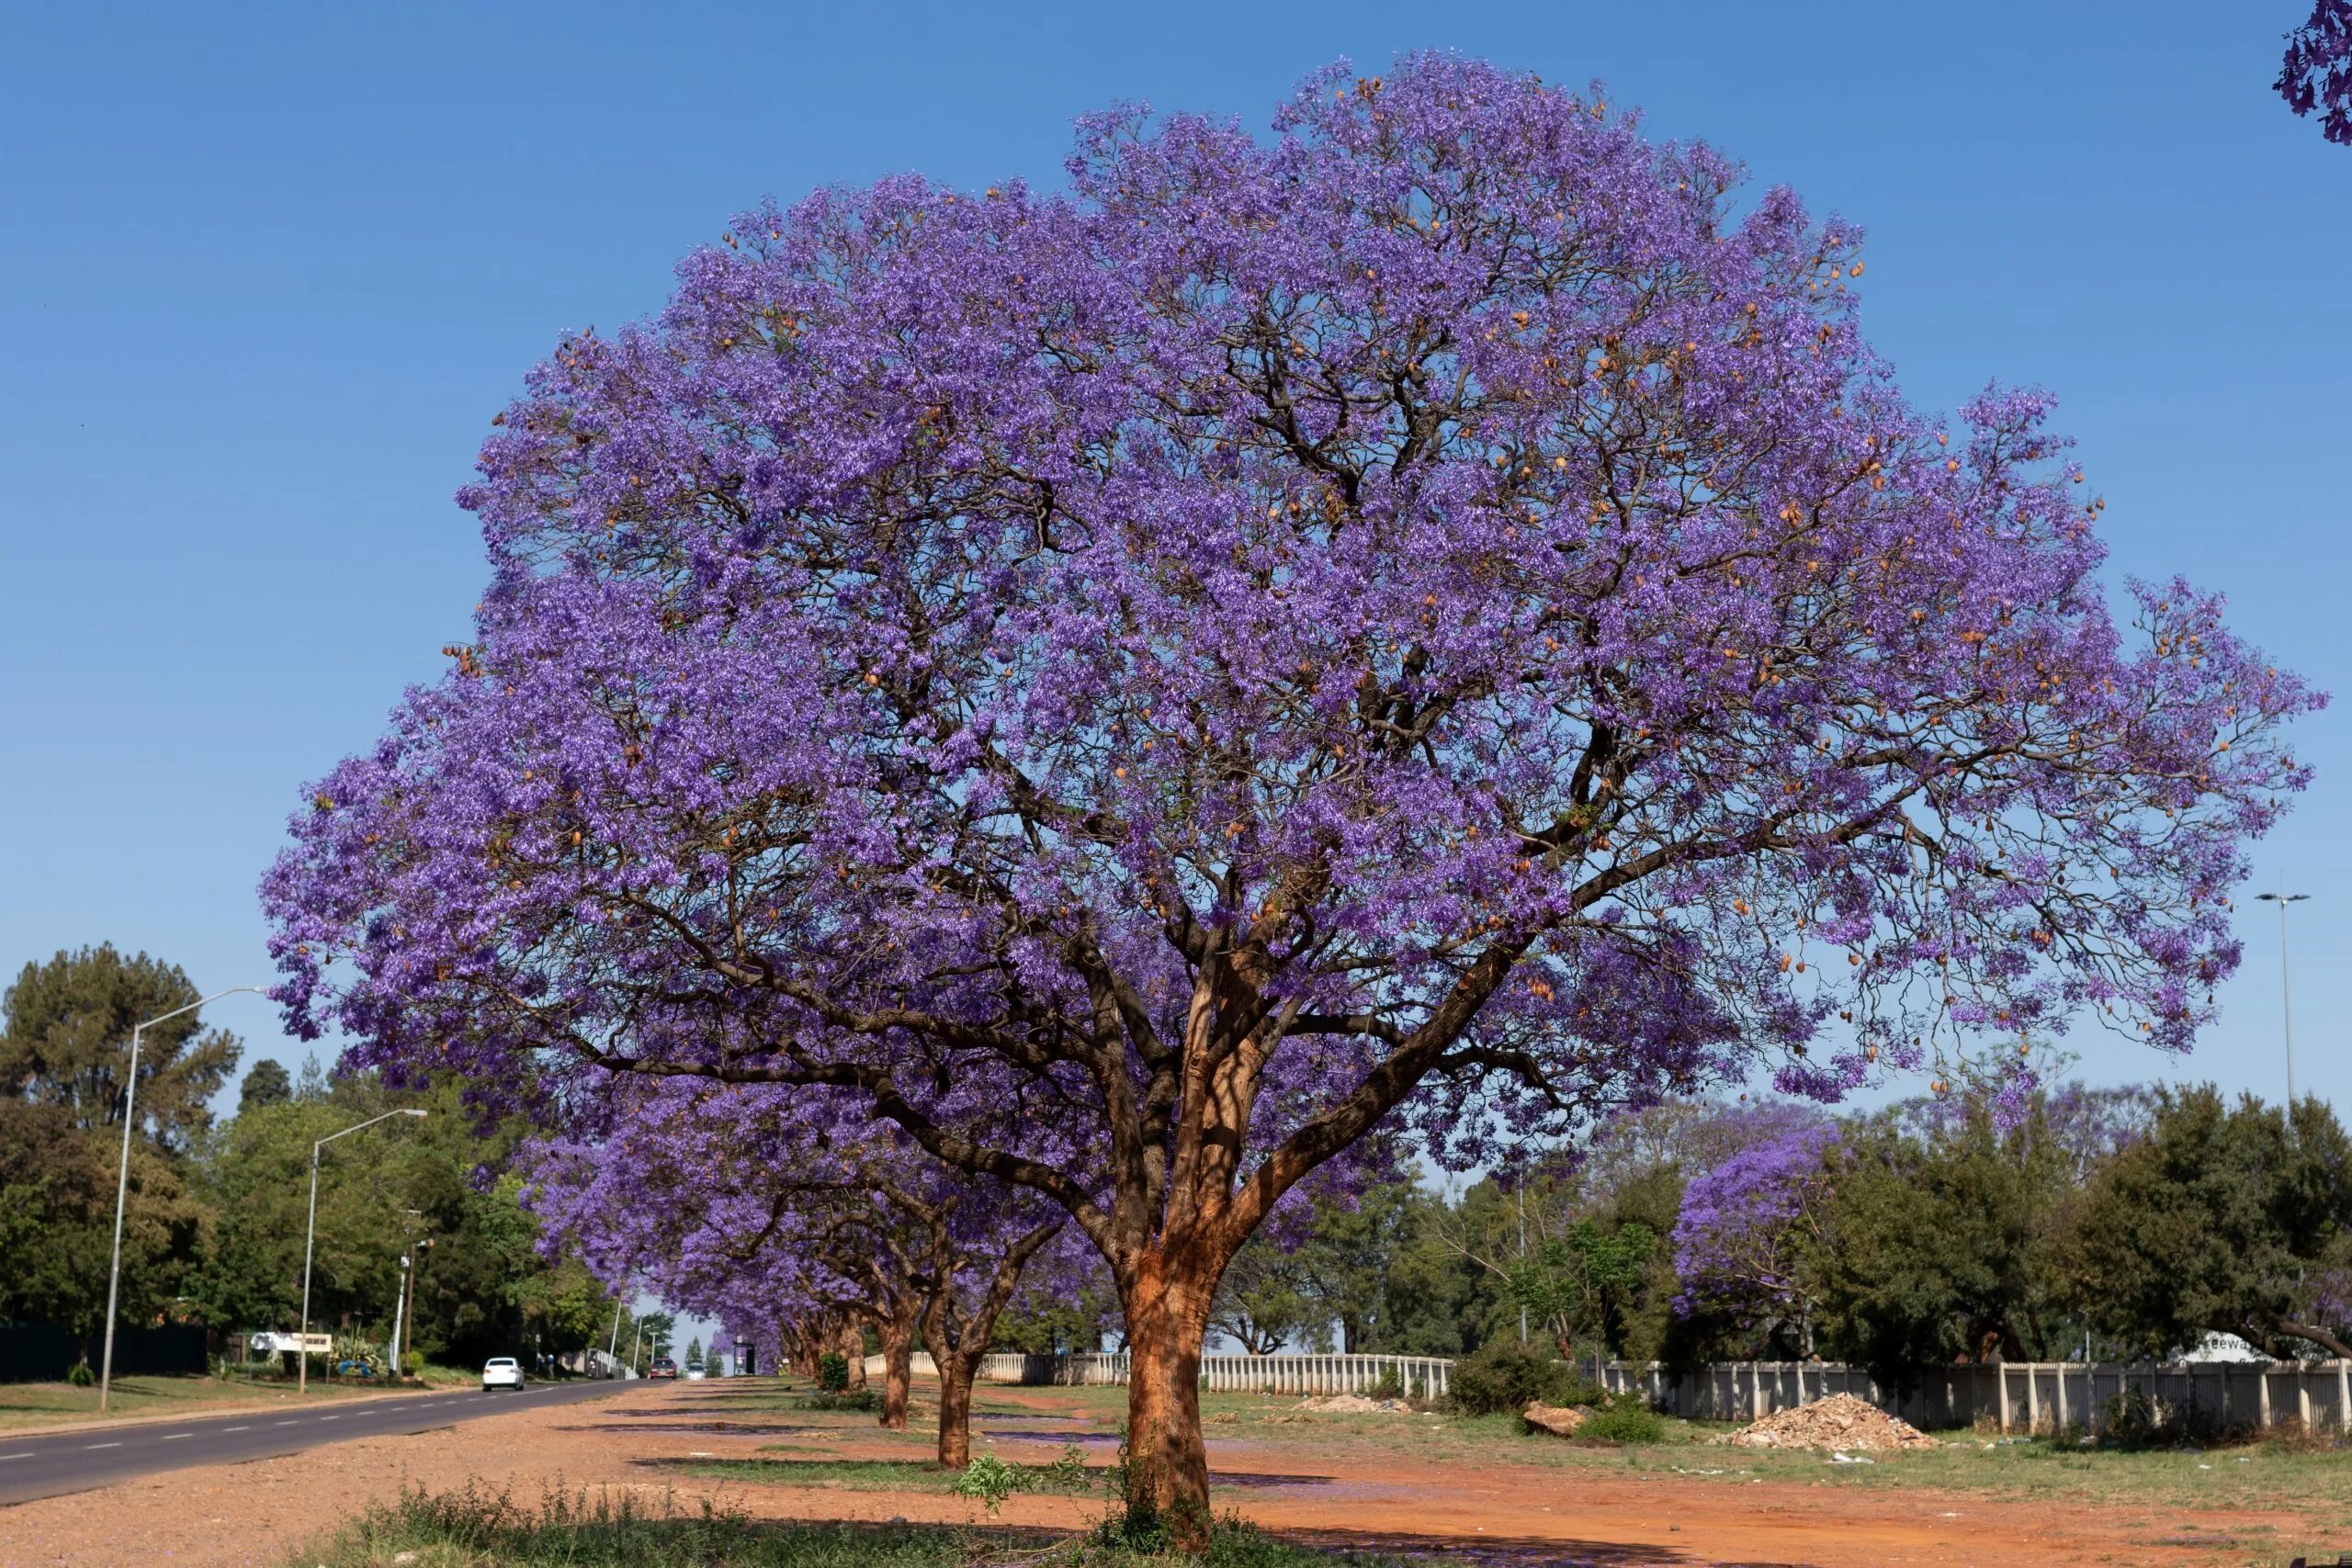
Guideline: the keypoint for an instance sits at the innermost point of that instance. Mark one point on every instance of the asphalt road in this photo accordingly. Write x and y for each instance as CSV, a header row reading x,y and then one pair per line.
x,y
34,1466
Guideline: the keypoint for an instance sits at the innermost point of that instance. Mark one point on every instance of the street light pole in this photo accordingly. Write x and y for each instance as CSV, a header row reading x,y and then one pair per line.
x,y
309,1233
122,1177
2286,996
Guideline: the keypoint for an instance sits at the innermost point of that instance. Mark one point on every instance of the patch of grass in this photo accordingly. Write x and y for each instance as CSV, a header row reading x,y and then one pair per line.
x,y
476,1528
30,1404
2314,1472
865,1401
1625,1419
1068,1473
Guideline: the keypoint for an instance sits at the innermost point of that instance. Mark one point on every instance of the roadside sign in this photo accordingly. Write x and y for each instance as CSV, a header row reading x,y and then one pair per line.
x,y
267,1344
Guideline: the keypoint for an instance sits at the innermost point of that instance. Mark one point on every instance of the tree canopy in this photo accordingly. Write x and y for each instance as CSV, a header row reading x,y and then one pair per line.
x,y
65,1040
1434,618
2233,1219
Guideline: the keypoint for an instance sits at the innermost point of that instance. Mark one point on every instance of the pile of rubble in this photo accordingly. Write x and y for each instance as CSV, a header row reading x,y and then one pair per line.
x,y
1841,1421
1352,1404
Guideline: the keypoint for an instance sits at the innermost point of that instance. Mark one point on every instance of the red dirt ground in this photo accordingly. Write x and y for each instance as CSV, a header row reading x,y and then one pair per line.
x,y
1499,1514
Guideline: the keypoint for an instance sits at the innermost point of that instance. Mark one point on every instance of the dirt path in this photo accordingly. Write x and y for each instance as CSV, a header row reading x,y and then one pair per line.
x,y
1498,1515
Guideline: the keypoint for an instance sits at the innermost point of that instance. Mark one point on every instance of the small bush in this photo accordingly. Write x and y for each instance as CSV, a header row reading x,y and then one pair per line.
x,y
991,1479
1390,1386
988,1480
2290,1436
1624,1419
832,1373
82,1376
1502,1377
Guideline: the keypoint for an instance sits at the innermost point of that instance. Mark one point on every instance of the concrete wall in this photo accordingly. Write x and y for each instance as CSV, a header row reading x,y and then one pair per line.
x,y
2015,1397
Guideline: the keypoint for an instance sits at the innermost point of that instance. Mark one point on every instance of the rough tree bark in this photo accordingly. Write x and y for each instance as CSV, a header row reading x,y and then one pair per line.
x,y
1168,1465
956,1371
898,1330
957,1343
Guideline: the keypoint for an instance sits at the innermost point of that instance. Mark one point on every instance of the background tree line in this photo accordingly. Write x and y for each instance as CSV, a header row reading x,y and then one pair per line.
x,y
1980,1223
214,1219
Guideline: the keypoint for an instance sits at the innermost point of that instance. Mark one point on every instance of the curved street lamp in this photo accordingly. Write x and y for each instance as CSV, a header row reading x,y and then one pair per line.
x,y
302,1355
122,1175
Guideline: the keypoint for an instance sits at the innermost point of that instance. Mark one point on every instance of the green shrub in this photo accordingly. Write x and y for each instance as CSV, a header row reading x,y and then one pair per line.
x,y
82,1376
832,1373
1624,1419
1389,1386
988,1480
1502,1377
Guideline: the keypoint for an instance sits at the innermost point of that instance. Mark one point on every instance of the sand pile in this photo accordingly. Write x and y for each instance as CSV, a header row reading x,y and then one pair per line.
x,y
1353,1404
1841,1421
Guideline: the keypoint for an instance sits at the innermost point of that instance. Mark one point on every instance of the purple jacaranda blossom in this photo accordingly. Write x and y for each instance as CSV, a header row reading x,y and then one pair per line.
x,y
2317,74
1432,620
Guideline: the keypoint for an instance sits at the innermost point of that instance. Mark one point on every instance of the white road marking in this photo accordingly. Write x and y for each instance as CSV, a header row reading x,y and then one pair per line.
x,y
176,1437
247,1427
289,1423
86,1447
330,1417
27,1454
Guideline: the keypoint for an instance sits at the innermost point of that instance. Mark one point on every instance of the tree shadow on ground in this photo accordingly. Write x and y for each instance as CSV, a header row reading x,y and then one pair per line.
x,y
722,1428
845,1474
909,1474
1513,1552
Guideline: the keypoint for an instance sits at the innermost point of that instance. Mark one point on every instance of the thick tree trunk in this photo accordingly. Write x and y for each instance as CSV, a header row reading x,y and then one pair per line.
x,y
898,1356
956,1374
1168,1465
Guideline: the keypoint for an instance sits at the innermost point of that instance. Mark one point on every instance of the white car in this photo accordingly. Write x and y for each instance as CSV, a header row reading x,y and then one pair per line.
x,y
502,1371
694,1374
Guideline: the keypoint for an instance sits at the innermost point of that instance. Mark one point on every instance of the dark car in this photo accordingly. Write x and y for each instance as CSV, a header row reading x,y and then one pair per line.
x,y
662,1366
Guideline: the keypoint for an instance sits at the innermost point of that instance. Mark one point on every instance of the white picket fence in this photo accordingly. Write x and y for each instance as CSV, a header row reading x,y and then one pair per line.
x,y
1421,1377
2013,1396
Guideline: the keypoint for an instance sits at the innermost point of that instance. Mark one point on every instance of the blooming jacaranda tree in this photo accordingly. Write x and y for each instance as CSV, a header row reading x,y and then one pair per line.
x,y
1433,619
780,1205
1747,1221
2317,74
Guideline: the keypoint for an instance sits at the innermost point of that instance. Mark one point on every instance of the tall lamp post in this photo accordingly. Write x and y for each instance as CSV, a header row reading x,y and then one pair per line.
x,y
2286,997
309,1231
122,1177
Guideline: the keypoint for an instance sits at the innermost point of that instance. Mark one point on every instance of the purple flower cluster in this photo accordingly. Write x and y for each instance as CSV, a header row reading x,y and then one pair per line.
x,y
2317,73
1744,1218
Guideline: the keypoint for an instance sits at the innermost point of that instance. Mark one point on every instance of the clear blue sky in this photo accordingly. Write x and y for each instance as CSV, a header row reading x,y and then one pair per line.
x,y
266,271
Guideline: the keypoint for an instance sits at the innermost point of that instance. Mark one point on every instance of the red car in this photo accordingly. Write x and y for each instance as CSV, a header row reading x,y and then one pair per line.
x,y
662,1367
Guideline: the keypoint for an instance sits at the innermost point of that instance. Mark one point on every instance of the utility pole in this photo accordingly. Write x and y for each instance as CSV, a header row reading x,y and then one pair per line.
x,y
1523,1258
